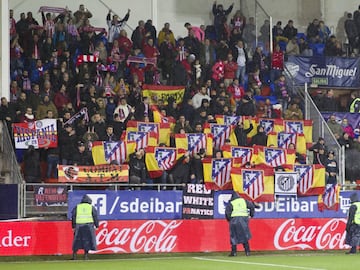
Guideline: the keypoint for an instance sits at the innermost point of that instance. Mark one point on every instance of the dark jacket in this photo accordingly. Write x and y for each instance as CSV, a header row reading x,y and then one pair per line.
x,y
67,145
84,236
352,230
32,164
181,171
83,159
246,108
137,167
239,227
197,168
260,138
241,134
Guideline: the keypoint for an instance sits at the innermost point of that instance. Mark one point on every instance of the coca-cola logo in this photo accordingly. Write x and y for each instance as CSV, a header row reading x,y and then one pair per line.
x,y
151,236
290,235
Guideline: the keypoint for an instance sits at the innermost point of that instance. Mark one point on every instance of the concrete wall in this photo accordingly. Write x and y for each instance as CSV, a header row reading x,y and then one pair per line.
x,y
198,12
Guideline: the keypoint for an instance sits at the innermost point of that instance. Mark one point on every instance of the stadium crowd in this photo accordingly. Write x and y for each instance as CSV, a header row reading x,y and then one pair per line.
x,y
64,64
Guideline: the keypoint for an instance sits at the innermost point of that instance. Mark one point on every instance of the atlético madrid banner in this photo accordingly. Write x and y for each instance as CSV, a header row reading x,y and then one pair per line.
x,y
325,71
157,236
40,134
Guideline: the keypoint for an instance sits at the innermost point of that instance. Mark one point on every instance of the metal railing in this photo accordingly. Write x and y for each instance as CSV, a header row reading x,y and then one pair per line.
x,y
321,129
255,10
10,167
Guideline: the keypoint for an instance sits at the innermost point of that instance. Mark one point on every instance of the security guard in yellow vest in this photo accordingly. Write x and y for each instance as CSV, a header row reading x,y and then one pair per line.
x,y
353,224
84,221
237,212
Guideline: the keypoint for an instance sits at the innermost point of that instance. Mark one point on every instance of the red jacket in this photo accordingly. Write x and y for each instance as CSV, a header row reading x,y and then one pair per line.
x,y
237,92
218,71
139,73
277,60
125,45
230,70
60,100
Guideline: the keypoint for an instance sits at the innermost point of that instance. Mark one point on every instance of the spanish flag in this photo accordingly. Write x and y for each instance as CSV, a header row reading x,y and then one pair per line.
x,y
273,157
159,159
217,173
163,92
220,134
193,142
241,155
300,127
312,179
141,139
161,129
254,184
160,118
271,125
247,120
330,199
284,139
107,152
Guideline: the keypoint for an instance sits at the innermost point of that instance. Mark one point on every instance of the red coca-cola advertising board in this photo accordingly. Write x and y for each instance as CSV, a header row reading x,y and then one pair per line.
x,y
154,236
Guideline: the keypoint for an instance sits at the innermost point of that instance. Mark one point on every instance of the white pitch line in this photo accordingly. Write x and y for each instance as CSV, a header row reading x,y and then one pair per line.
x,y
261,264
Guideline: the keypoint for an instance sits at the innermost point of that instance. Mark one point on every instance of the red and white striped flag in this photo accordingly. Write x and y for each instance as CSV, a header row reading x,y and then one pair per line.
x,y
330,199
86,58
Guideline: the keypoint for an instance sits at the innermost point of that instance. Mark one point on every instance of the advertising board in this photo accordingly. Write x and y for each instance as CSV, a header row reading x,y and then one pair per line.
x,y
157,236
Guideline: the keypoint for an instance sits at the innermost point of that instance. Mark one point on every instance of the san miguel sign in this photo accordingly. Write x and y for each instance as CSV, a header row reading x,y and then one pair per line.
x,y
154,236
325,71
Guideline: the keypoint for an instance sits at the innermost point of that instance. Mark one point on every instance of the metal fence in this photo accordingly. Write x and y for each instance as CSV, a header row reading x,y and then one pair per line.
x,y
321,129
253,9
9,167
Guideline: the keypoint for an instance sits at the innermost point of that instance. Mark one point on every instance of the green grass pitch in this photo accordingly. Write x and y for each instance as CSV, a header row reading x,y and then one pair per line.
x,y
327,260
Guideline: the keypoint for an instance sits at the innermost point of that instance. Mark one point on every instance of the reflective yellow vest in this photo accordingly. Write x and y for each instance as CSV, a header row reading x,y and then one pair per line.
x,y
356,101
239,208
84,213
357,213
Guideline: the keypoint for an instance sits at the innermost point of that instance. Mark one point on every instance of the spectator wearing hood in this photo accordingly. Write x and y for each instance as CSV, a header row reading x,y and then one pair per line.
x,y
260,138
237,213
241,133
84,219
353,224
